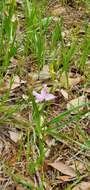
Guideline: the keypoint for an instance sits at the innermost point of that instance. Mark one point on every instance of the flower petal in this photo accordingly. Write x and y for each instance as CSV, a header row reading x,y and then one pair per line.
x,y
38,96
49,97
44,91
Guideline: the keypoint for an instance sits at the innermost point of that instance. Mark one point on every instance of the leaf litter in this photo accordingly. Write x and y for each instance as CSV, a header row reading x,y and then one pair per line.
x,y
63,168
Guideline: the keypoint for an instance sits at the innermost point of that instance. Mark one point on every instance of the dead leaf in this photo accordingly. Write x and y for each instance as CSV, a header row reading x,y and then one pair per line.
x,y
73,80
16,82
58,11
63,168
43,75
82,186
6,84
64,93
14,136
64,178
77,102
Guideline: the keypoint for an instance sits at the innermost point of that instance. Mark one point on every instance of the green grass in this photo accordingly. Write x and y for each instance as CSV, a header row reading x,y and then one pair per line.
x,y
37,126
8,26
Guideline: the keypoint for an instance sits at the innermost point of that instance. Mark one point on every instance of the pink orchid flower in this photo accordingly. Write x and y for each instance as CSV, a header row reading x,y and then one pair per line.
x,y
44,95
